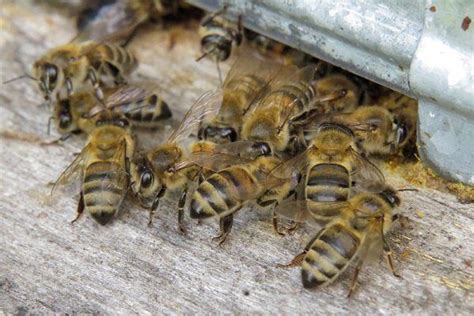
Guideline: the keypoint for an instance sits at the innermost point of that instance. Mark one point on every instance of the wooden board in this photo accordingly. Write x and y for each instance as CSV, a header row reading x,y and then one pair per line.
x,y
49,265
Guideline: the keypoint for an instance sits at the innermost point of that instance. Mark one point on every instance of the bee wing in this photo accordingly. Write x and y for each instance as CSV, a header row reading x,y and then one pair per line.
x,y
288,75
214,161
294,210
249,64
114,20
288,170
207,105
365,171
301,211
219,157
72,173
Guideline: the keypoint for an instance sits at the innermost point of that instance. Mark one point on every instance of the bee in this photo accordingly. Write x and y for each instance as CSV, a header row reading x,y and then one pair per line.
x,y
102,167
290,96
405,112
157,170
218,35
248,78
67,67
354,234
328,168
143,107
376,130
224,193
122,17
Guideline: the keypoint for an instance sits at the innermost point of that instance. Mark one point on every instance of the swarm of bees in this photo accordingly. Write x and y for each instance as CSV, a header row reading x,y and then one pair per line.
x,y
285,131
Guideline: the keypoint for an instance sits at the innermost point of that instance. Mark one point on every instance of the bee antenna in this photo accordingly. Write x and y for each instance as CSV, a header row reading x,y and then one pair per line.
x,y
203,55
18,78
408,189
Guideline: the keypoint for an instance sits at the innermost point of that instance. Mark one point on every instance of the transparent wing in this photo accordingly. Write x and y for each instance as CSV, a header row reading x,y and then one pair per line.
x,y
293,210
102,21
365,171
207,105
72,173
249,64
213,161
288,75
216,157
288,170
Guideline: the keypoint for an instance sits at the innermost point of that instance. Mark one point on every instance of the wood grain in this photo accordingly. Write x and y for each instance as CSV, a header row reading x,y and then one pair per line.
x,y
48,265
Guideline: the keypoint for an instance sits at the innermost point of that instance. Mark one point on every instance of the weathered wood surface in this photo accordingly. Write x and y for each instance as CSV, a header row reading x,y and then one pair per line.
x,y
48,265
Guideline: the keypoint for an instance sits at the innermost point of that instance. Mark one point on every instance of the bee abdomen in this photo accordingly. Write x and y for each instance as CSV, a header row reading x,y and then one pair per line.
x,y
104,188
301,92
328,183
328,256
147,113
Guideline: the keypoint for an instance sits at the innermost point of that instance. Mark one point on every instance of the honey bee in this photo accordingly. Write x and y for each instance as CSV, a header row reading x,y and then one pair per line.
x,y
108,18
102,167
290,96
143,107
156,170
329,168
376,130
224,193
218,35
247,79
405,112
67,67
354,234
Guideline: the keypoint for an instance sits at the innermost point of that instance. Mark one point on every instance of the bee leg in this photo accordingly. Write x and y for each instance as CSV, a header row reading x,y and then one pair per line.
x,y
80,208
354,278
298,259
388,254
181,202
92,76
155,204
295,262
56,141
276,226
225,224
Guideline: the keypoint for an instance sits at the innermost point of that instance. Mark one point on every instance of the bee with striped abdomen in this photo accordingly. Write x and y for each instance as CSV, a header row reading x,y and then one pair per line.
x,y
63,70
158,170
103,167
223,193
248,78
329,169
355,234
143,106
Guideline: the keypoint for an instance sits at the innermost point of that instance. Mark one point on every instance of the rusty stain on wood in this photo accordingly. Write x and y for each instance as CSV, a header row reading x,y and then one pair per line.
x,y
48,265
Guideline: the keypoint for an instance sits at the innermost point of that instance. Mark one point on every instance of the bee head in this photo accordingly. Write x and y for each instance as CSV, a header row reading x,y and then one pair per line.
x,y
390,196
401,130
144,182
217,46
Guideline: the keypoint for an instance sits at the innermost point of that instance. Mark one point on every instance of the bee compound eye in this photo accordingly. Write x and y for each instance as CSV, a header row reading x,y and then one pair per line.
x,y
52,73
146,179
